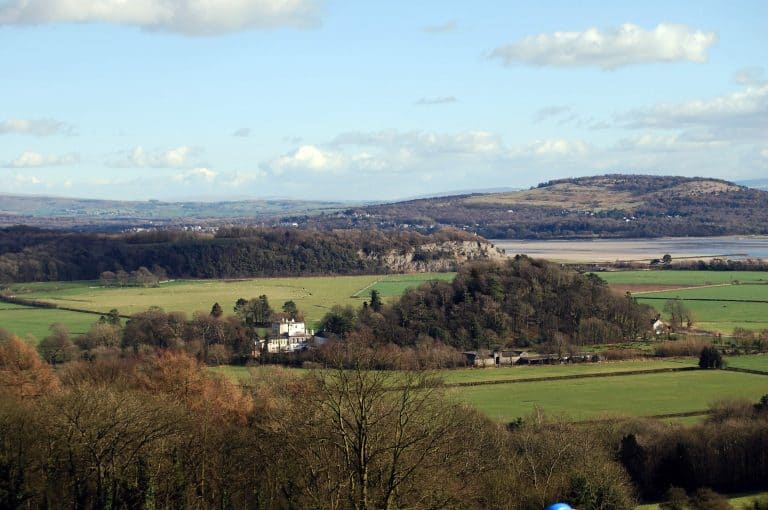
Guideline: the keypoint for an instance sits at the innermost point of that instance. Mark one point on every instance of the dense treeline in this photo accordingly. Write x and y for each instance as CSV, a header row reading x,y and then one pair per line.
x,y
727,453
645,206
29,254
158,430
517,302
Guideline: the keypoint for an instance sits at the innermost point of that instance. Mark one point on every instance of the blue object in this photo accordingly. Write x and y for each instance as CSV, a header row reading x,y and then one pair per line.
x,y
559,506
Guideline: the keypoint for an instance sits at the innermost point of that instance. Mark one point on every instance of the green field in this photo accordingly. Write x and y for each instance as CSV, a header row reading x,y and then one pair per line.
x,y
682,278
718,315
394,285
464,375
634,395
468,375
715,315
751,362
738,502
587,398
35,321
313,295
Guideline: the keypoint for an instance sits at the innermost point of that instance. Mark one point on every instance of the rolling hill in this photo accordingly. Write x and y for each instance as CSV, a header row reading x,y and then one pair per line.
x,y
608,206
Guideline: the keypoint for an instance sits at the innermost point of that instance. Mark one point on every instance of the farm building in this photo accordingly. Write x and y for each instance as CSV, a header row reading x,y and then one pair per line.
x,y
495,358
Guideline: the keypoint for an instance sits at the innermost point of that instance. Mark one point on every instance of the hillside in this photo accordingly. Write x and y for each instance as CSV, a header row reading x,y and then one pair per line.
x,y
31,254
88,214
604,206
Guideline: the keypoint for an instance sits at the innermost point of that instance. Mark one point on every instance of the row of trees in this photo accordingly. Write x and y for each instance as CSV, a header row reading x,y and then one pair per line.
x,y
160,431
30,254
141,277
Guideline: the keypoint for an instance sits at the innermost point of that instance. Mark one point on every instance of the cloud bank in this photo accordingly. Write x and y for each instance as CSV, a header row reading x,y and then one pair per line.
x,y
138,157
35,127
31,159
611,48
189,17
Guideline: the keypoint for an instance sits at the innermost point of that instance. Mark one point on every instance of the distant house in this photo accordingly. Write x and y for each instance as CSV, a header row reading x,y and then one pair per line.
x,y
659,327
495,358
287,335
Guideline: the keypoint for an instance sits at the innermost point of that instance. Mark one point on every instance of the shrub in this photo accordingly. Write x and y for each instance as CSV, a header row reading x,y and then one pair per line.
x,y
710,357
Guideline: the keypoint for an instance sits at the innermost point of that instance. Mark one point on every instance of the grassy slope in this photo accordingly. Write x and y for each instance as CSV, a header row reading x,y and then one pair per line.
x,y
313,295
751,362
636,395
36,321
682,278
720,316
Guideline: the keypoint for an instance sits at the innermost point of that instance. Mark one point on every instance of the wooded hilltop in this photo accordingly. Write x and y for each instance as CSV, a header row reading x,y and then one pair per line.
x,y
31,254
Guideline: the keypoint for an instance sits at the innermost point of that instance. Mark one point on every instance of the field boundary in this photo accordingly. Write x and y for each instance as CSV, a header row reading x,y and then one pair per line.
x,y
568,377
684,414
357,294
713,300
746,370
31,303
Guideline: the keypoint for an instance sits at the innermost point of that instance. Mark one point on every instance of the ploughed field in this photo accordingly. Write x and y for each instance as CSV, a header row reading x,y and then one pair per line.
x,y
720,300
313,295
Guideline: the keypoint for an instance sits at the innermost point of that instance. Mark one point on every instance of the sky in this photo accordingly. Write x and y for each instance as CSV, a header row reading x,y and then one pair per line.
x,y
373,100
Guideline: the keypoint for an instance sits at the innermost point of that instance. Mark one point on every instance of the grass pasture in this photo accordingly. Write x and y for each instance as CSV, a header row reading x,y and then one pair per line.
x,y
589,398
682,278
750,362
719,308
313,295
720,300
25,321
633,395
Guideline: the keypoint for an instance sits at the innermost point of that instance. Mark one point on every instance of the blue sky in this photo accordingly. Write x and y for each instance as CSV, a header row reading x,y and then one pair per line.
x,y
204,99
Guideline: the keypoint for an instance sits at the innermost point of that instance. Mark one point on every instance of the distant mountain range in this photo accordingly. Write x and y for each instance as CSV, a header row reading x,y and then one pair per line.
x,y
99,214
603,206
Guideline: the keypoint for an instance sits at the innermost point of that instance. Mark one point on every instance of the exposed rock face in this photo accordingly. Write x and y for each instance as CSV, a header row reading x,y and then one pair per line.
x,y
434,257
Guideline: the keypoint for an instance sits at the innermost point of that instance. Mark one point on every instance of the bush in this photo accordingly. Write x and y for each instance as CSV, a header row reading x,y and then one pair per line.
x,y
710,357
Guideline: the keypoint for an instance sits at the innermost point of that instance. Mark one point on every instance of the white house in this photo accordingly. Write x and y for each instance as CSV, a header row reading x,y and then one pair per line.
x,y
287,335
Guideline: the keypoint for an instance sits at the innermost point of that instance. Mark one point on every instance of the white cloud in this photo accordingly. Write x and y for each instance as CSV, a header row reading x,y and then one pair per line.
x,y
35,127
750,76
654,142
741,115
609,49
308,157
195,175
421,143
243,132
190,17
551,112
138,157
448,26
31,159
240,179
559,147
425,101
22,180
